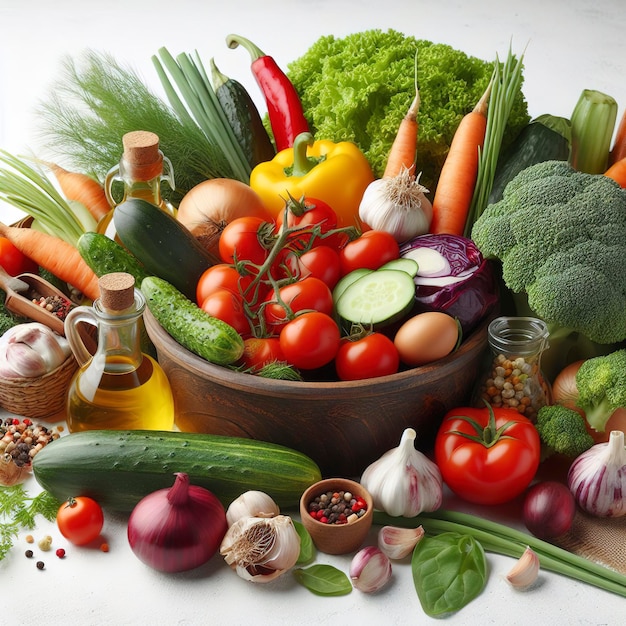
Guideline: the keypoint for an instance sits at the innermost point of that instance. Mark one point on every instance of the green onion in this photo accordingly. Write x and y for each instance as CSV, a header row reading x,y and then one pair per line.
x,y
501,539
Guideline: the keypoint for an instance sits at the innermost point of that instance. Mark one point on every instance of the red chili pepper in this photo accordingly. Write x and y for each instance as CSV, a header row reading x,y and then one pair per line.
x,y
283,102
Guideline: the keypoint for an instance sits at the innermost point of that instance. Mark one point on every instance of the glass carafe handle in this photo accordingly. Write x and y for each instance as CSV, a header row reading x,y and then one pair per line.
x,y
113,175
72,320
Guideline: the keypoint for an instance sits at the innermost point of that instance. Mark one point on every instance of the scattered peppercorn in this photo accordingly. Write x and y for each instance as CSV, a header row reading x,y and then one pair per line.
x,y
339,507
30,539
40,564
104,547
28,554
45,543
60,553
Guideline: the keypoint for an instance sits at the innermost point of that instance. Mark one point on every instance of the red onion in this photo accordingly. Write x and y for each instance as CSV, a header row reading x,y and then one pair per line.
x,y
178,528
549,509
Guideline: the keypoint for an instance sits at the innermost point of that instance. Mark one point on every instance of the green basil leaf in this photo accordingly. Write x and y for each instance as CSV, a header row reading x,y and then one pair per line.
x,y
307,547
324,580
449,570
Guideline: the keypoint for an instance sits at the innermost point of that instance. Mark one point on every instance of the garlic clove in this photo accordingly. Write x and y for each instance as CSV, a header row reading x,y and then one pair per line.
x,y
526,571
251,504
370,570
398,542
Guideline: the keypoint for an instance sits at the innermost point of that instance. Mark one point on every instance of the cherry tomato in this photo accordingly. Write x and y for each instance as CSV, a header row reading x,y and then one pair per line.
x,y
220,276
228,306
371,250
80,520
258,351
321,262
308,293
13,261
310,340
307,212
487,455
244,239
367,357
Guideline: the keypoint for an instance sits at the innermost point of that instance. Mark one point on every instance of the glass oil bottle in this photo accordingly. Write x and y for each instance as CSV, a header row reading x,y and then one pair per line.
x,y
118,387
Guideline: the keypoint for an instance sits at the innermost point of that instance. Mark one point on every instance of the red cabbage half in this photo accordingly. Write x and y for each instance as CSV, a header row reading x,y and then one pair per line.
x,y
453,277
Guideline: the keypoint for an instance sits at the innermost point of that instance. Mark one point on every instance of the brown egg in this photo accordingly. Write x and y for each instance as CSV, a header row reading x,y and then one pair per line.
x,y
426,337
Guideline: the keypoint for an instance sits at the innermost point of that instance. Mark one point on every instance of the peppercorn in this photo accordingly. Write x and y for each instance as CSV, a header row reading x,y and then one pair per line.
x,y
40,565
60,553
28,554
337,507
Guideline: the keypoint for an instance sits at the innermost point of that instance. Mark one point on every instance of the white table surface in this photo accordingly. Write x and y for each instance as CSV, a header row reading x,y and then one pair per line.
x,y
572,45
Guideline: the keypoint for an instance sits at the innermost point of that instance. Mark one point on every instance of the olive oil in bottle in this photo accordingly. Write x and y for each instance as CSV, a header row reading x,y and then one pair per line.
x,y
118,387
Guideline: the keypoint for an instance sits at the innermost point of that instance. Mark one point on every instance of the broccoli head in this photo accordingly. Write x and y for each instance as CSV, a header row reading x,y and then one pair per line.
x,y
601,385
560,236
358,88
563,430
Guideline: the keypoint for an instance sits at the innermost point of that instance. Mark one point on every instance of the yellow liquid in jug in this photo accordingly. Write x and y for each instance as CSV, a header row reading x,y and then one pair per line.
x,y
136,400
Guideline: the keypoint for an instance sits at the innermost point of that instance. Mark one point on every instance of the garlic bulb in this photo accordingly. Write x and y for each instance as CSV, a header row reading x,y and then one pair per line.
x,y
31,350
398,542
397,205
261,549
251,504
370,570
597,478
403,481
526,571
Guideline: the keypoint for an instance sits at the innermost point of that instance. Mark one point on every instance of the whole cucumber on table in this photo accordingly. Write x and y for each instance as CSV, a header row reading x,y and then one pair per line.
x,y
204,335
118,468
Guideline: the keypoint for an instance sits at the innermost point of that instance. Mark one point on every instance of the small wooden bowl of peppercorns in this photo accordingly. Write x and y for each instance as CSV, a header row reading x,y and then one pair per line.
x,y
338,514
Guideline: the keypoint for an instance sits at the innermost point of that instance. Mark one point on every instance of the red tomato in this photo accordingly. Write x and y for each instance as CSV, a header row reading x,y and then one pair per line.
x,y
368,357
308,293
321,262
310,340
487,455
228,306
13,261
307,213
220,276
371,250
245,239
258,351
80,520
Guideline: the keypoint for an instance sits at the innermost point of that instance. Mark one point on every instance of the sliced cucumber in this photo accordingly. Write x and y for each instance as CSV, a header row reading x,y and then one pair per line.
x,y
404,264
378,298
345,281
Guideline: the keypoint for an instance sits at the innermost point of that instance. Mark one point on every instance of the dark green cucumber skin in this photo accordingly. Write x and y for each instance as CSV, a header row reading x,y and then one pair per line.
x,y
535,143
164,246
118,468
104,256
243,117
204,335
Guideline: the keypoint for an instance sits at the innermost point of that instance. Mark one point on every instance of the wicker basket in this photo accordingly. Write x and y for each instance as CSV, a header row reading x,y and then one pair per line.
x,y
38,398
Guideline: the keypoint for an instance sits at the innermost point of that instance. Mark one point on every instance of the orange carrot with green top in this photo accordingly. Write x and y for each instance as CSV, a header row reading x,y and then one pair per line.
x,y
55,255
402,152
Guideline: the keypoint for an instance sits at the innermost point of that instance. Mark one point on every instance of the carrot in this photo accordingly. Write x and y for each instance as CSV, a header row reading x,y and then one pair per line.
x,y
81,188
402,152
617,172
618,151
55,255
455,188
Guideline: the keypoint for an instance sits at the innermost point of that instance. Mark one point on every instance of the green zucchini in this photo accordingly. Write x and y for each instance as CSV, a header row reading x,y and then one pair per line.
x,y
545,138
164,246
118,468
243,117
201,333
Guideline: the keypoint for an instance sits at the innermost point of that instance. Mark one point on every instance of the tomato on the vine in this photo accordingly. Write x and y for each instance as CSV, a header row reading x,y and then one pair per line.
x,y
321,262
487,455
307,212
80,520
258,351
310,340
369,356
221,276
246,239
14,261
371,250
228,306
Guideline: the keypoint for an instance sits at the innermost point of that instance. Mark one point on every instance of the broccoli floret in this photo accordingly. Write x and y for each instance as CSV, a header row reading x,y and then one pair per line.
x,y
560,236
358,88
562,430
601,385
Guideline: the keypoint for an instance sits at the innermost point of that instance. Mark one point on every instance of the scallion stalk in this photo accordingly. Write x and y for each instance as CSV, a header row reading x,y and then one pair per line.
x,y
501,539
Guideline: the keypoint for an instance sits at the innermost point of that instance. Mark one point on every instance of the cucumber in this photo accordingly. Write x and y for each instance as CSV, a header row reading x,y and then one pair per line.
x,y
204,335
164,246
404,264
345,281
118,468
378,298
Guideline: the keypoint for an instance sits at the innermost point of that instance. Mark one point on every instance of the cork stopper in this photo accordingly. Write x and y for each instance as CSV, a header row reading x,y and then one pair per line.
x,y
142,154
117,291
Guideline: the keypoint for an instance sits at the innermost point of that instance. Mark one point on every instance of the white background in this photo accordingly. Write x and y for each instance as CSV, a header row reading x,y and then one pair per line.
x,y
571,45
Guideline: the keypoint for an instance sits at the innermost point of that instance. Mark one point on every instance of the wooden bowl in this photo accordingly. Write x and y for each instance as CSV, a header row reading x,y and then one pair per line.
x,y
337,538
342,426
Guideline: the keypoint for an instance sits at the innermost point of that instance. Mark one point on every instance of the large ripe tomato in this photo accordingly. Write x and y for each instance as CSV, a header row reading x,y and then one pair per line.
x,y
258,351
321,262
369,356
246,239
220,276
487,455
310,340
371,250
308,293
306,213
13,261
228,306
80,520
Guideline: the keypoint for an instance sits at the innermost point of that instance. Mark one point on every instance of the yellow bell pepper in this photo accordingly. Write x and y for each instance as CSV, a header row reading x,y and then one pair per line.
x,y
336,173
